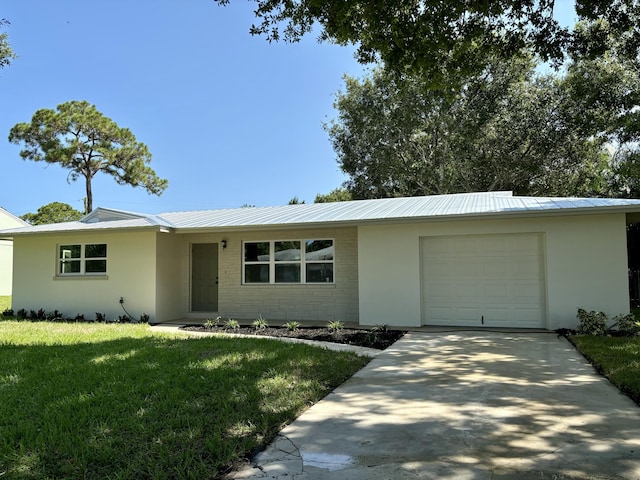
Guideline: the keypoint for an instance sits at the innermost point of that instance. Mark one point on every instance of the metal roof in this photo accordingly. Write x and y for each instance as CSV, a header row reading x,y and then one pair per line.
x,y
354,212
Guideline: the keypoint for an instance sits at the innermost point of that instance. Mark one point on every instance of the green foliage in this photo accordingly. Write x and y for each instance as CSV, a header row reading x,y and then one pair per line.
x,y
335,326
296,201
292,326
231,324
396,137
335,195
432,37
212,323
117,401
626,324
54,212
260,323
591,323
617,358
82,140
6,53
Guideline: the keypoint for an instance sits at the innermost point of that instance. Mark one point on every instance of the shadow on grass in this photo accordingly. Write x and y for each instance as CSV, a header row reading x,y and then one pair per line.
x,y
153,407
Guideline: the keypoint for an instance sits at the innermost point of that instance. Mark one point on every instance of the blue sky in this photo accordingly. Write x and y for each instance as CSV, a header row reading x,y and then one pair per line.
x,y
229,118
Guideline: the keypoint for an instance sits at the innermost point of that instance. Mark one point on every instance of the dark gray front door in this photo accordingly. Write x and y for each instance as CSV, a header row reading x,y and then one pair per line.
x,y
204,277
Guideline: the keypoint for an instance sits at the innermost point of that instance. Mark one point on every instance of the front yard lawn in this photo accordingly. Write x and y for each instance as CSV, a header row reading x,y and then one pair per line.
x,y
97,401
617,358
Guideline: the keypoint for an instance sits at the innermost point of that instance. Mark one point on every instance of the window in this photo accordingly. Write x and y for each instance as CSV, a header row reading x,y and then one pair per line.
x,y
288,261
87,259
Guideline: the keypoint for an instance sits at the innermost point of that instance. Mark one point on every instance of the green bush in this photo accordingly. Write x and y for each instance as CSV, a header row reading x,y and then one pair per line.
x,y
626,324
591,323
335,326
231,324
292,326
260,323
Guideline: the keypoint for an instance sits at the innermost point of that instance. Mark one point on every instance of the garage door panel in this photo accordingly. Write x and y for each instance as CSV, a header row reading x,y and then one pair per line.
x,y
498,280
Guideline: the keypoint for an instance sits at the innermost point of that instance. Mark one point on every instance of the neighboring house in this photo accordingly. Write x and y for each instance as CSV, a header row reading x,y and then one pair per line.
x,y
7,220
478,259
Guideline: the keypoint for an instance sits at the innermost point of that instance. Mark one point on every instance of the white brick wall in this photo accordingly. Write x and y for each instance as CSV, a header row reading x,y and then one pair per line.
x,y
320,302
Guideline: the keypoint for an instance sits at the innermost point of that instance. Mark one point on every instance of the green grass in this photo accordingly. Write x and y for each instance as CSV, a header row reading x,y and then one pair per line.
x,y
116,401
5,302
617,358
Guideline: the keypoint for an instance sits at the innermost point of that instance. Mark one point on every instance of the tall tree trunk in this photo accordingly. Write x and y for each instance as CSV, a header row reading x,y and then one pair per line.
x,y
89,202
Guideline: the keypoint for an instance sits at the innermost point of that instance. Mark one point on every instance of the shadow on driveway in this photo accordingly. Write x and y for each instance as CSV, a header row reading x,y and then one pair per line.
x,y
464,406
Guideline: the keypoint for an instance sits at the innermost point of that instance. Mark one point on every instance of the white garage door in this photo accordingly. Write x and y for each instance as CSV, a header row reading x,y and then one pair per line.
x,y
483,280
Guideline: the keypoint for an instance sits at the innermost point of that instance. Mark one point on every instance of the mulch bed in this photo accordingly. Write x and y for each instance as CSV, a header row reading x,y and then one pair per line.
x,y
379,339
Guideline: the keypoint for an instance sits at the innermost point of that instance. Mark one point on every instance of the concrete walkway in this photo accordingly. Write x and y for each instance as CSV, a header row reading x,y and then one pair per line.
x,y
463,406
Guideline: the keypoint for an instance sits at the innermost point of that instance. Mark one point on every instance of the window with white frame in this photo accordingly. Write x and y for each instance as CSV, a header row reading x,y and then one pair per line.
x,y
82,259
288,261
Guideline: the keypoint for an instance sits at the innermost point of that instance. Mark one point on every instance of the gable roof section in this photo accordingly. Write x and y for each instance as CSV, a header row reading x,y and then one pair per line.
x,y
8,219
356,212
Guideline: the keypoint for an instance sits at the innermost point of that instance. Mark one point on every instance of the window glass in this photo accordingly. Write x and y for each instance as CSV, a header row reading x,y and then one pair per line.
x,y
287,251
96,266
70,266
319,250
256,273
288,273
82,259
319,272
69,251
95,250
256,252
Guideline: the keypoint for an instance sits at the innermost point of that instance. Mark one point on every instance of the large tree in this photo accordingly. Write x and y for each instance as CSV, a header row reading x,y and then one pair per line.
x,y
54,212
81,139
434,37
506,129
6,53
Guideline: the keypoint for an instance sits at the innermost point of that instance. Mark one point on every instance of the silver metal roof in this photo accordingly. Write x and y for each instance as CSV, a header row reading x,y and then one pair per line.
x,y
341,213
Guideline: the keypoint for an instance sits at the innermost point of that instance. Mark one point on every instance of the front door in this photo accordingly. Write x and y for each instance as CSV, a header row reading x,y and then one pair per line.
x,y
204,277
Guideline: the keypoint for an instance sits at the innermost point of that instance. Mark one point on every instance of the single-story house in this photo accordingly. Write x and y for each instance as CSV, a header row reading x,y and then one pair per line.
x,y
478,259
7,220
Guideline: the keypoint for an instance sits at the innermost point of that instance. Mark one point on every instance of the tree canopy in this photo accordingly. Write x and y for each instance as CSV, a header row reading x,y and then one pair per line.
x,y
435,37
507,128
82,140
6,53
54,212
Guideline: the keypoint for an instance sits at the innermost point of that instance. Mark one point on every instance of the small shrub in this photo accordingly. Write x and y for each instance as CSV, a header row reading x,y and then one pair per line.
x,y
626,325
591,323
211,323
79,317
8,312
124,319
380,328
22,314
292,326
55,315
231,324
33,315
101,317
335,326
260,323
144,318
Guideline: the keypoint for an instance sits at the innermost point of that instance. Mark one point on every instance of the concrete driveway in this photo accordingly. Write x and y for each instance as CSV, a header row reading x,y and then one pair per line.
x,y
463,405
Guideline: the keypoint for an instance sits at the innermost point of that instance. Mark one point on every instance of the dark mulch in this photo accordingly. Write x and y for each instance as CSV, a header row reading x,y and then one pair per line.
x,y
379,338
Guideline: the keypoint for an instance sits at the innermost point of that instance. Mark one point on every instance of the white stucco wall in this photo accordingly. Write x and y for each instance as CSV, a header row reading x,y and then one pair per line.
x,y
585,265
6,267
131,258
7,220
169,277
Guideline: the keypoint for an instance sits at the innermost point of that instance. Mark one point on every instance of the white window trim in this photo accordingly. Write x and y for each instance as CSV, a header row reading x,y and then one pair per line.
x,y
302,262
82,260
